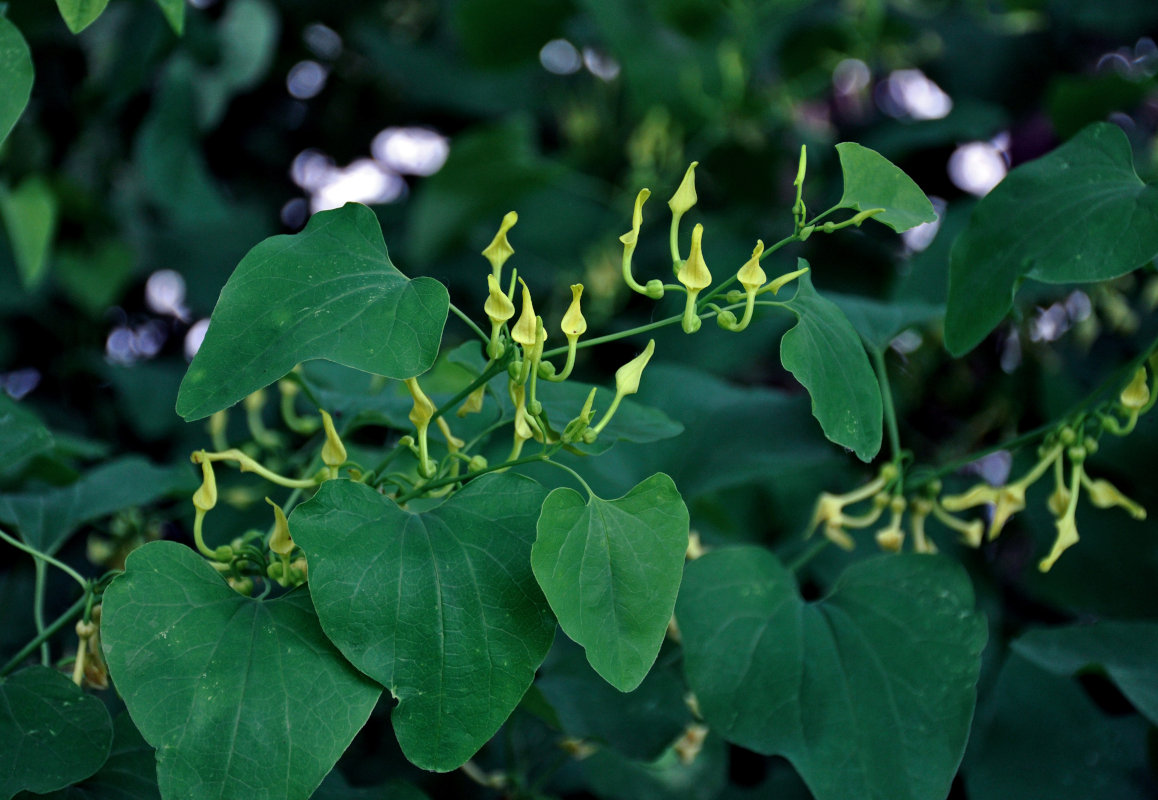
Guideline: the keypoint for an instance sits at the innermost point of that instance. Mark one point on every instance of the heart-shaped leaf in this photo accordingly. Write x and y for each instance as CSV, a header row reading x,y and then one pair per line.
x,y
869,692
440,607
825,354
611,569
1127,651
234,693
130,773
329,292
15,76
1076,215
51,733
872,181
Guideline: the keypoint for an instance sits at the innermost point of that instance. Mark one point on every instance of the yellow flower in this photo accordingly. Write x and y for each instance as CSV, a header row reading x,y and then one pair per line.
x,y
685,196
333,451
891,537
498,306
573,324
205,498
627,377
1135,396
751,276
525,330
694,272
280,540
829,510
1104,494
499,250
631,238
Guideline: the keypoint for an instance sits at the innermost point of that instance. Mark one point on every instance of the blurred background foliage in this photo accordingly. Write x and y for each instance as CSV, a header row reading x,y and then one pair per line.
x,y
147,165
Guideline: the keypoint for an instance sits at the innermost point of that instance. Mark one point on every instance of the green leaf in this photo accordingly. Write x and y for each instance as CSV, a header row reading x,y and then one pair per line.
x,y
611,775
868,692
15,76
872,181
174,11
878,322
51,733
29,214
1040,738
234,693
439,607
328,292
1076,215
611,569
79,14
46,519
130,773
825,354
22,434
1127,651
640,724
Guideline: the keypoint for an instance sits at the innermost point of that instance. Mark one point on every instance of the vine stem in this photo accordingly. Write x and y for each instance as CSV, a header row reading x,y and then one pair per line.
x,y
574,474
812,552
43,637
39,556
470,322
878,359
38,606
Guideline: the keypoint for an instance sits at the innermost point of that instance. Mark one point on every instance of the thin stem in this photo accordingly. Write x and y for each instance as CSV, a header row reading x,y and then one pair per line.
x,y
38,605
417,490
574,474
43,637
612,337
812,552
39,556
878,358
470,322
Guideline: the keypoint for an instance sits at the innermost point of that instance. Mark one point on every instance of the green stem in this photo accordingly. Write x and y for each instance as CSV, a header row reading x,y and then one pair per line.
x,y
878,359
417,490
470,322
38,605
612,337
812,552
492,369
43,637
39,556
575,475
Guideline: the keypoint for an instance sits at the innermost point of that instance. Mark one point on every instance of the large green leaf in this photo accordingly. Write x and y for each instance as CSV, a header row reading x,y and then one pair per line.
x,y
46,519
79,14
439,607
640,724
1127,651
825,354
51,733
29,214
328,292
872,181
1076,215
611,569
130,773
868,692
15,76
22,434
1039,737
237,695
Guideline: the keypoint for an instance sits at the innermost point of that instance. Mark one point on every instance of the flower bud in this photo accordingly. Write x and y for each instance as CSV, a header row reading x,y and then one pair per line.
x,y
205,498
631,237
1135,396
498,306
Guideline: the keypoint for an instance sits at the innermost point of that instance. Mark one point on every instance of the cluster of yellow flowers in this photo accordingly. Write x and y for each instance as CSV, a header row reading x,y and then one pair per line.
x,y
1070,443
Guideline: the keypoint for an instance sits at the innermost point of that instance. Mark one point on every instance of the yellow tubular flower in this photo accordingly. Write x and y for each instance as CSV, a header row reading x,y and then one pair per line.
x,y
829,510
751,276
685,196
695,277
498,306
891,537
1135,396
525,329
205,498
333,451
420,415
1006,500
499,250
280,541
473,402
1067,529
1104,494
626,382
654,289
574,326
779,283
